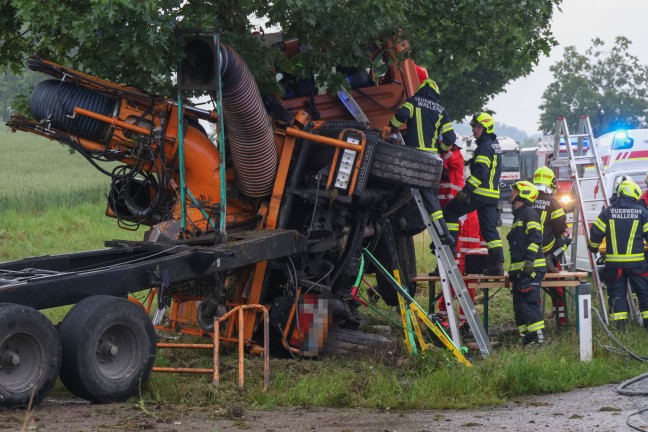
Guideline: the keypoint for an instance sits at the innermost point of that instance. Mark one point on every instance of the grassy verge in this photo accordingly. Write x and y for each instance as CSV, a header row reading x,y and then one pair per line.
x,y
52,202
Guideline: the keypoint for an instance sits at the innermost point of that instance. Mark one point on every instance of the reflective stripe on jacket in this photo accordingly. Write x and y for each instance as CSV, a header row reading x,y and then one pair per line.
x,y
525,239
426,119
485,170
552,219
624,225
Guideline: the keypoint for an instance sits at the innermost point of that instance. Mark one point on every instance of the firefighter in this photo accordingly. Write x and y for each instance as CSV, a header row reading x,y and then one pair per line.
x,y
554,225
481,191
624,225
527,263
617,181
426,121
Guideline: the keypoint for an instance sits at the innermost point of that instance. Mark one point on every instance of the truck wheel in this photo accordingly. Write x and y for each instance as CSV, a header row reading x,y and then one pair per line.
x,y
108,349
406,166
30,355
407,258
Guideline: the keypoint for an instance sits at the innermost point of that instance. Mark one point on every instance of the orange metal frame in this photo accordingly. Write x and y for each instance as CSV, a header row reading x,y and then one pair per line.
x,y
238,311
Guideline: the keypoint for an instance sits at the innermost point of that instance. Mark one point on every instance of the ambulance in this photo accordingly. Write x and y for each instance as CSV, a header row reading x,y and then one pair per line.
x,y
623,152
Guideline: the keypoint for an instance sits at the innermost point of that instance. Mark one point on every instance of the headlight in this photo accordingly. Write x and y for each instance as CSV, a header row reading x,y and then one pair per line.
x,y
566,199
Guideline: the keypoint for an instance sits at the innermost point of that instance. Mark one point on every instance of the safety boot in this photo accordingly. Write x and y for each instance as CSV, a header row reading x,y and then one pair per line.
x,y
534,339
622,325
495,264
645,323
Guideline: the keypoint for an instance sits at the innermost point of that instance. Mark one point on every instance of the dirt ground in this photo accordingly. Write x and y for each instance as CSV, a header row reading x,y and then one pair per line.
x,y
593,409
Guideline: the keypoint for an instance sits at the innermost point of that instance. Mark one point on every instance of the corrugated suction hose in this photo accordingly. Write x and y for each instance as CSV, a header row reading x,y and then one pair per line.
x,y
248,127
55,100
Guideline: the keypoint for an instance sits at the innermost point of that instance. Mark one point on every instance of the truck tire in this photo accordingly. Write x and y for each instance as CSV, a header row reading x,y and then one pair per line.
x,y
108,349
406,254
396,164
350,124
406,166
354,343
30,355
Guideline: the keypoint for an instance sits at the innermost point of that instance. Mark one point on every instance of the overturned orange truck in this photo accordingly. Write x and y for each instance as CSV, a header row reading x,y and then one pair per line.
x,y
302,197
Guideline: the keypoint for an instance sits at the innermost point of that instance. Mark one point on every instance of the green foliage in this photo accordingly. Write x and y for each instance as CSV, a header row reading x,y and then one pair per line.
x,y
13,88
473,48
608,85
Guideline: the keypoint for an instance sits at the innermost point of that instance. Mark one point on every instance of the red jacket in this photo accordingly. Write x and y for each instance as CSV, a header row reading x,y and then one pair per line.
x,y
452,179
644,198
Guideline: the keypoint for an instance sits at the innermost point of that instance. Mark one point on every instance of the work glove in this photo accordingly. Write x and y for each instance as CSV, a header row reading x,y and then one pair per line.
x,y
592,249
467,162
463,196
551,267
386,132
524,286
528,267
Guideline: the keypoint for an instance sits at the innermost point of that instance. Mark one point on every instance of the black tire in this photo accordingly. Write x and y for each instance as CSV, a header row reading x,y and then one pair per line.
x,y
30,355
406,166
353,343
406,254
108,349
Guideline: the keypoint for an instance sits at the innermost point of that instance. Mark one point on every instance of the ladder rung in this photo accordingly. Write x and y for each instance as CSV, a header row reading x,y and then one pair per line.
x,y
583,135
584,159
560,162
594,200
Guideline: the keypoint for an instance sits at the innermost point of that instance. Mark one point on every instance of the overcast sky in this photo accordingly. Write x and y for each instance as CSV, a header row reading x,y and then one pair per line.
x,y
579,22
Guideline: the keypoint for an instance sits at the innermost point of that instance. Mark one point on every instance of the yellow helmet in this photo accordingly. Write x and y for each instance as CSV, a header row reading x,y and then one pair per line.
x,y
428,82
544,179
527,192
630,189
485,120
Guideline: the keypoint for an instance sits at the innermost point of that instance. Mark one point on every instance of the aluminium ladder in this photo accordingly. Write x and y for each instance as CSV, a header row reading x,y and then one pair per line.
x,y
575,160
451,278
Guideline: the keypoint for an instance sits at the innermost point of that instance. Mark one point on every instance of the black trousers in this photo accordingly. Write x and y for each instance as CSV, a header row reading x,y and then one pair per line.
x,y
526,305
617,282
488,218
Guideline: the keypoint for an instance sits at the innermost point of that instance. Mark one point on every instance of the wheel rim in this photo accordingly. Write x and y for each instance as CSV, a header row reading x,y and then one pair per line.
x,y
117,352
22,361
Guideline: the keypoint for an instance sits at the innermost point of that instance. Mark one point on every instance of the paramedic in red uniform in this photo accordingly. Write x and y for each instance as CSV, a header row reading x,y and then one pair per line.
x,y
452,181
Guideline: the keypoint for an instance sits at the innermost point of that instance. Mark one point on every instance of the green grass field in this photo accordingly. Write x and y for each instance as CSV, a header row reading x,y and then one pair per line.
x,y
52,202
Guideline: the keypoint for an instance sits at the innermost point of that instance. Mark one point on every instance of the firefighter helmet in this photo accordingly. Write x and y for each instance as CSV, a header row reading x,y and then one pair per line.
x,y
484,119
629,189
527,192
428,82
618,181
544,179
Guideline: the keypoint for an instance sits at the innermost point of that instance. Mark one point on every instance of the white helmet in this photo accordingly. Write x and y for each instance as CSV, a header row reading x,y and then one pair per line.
x,y
619,180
